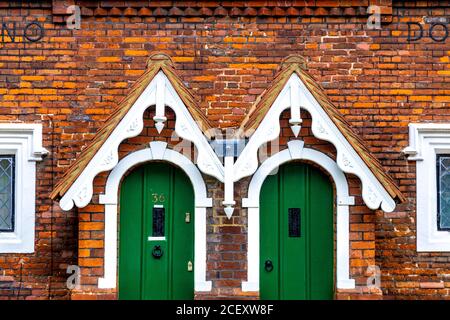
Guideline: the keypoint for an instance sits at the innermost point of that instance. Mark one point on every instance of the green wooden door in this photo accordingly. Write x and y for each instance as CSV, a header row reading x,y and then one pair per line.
x,y
156,201
296,234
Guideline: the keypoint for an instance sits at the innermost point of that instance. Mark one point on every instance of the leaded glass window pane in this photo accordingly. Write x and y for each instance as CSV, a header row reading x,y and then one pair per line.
x,y
443,182
6,193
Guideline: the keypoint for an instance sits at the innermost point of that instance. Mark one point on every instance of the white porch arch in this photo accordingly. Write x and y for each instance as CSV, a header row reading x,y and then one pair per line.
x,y
156,151
343,201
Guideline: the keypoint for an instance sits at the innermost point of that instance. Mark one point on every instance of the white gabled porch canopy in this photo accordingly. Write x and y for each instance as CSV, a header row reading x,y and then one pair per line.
x,y
293,88
160,87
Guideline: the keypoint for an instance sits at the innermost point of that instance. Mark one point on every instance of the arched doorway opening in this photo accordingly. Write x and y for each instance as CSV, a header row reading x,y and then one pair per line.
x,y
156,234
297,234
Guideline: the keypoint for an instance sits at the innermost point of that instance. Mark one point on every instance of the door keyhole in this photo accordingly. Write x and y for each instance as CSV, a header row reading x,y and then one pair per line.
x,y
268,265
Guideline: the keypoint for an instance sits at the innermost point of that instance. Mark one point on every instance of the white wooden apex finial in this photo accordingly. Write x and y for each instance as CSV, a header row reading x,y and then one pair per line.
x,y
229,211
160,117
296,119
295,129
228,201
159,123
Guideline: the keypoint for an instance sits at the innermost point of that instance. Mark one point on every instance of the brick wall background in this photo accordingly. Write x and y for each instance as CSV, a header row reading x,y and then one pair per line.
x,y
71,80
410,84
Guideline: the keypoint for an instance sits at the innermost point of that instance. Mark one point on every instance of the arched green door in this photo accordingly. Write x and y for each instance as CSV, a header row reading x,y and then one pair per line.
x,y
296,234
156,250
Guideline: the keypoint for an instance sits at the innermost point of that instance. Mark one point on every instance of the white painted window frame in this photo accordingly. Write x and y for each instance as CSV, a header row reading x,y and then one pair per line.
x,y
24,141
296,151
157,151
426,140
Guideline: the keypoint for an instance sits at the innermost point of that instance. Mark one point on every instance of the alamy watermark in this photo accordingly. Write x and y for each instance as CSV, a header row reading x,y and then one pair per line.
x,y
74,280
74,20
374,20
374,279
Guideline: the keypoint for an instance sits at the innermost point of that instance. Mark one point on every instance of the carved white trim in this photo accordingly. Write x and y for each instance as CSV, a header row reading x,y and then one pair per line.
x,y
426,140
188,129
373,192
295,119
31,132
80,192
228,201
157,151
296,151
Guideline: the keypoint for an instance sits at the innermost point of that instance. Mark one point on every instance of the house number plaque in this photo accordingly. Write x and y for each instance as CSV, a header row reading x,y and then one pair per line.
x,y
158,197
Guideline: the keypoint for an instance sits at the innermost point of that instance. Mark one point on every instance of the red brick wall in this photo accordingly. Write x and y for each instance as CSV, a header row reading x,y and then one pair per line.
x,y
410,83
72,79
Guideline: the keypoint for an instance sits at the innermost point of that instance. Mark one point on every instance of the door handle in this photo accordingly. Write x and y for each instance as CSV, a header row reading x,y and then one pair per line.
x,y
157,252
268,265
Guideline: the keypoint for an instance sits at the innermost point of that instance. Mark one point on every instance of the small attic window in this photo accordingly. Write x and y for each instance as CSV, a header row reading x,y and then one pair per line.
x,y
443,191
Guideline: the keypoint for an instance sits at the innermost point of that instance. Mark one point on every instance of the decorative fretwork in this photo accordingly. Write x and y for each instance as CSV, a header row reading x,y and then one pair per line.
x,y
443,190
6,193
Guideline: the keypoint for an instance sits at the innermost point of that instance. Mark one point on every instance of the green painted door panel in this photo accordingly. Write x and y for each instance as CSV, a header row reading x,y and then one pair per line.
x,y
302,265
131,237
141,275
269,244
183,238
